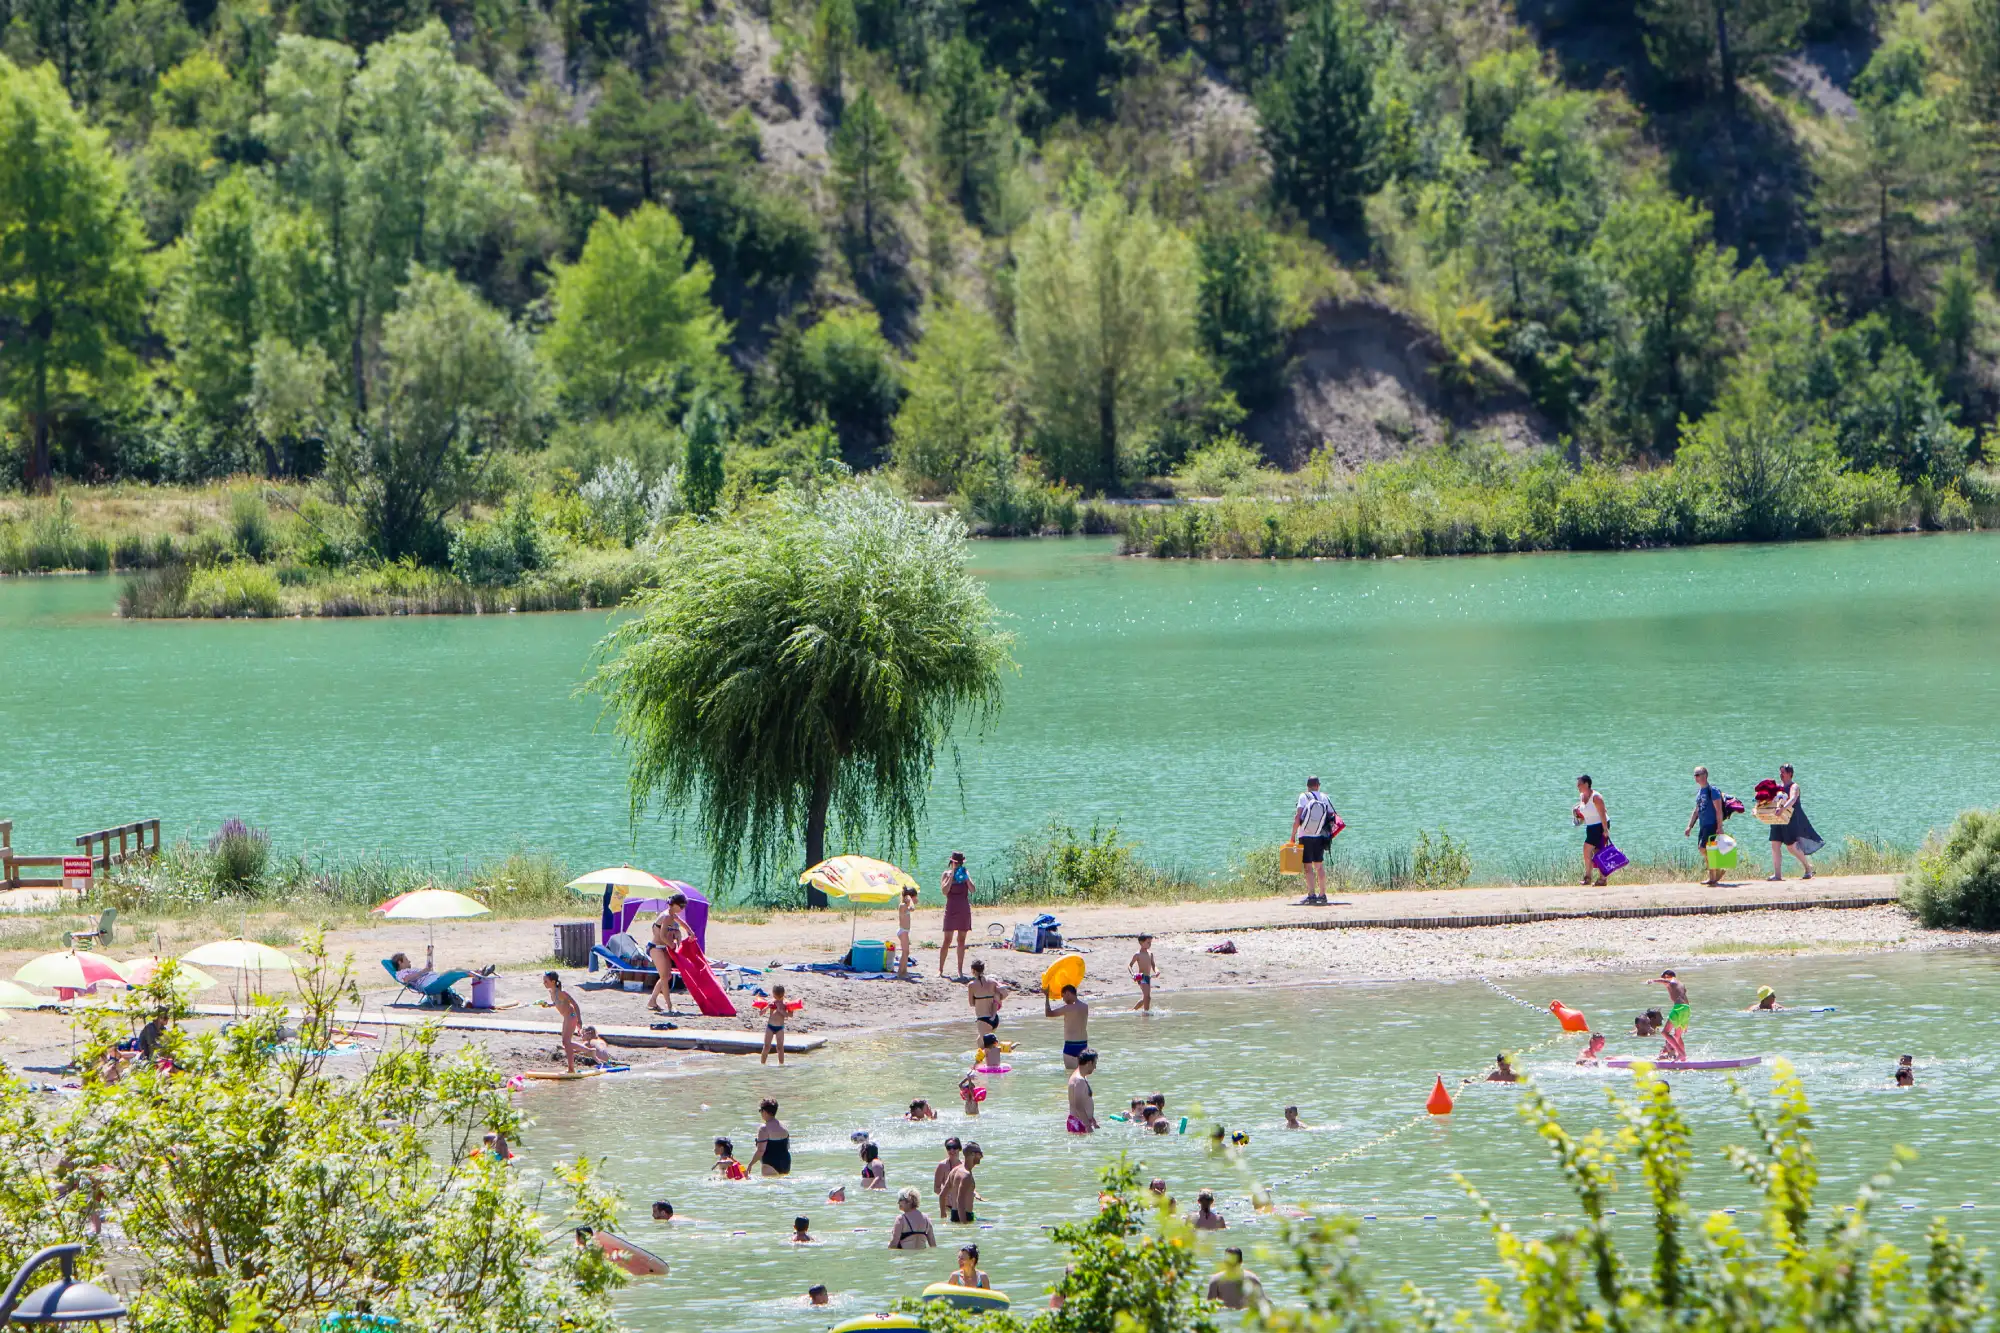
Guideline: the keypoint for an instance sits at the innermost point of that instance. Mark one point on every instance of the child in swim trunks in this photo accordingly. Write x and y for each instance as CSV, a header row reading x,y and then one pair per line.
x,y
1144,969
774,1027
1675,1031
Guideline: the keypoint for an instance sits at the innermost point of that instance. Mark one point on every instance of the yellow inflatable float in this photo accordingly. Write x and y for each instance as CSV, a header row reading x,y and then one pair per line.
x,y
871,1323
968,1298
1064,971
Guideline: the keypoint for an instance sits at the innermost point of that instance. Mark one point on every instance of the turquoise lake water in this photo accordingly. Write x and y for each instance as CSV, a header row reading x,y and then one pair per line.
x,y
1357,1059
1183,701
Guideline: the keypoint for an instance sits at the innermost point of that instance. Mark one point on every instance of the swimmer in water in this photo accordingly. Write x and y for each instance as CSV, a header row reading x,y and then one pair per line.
x,y
1144,969
1292,1118
921,1110
816,1294
874,1176
1082,1104
1767,999
1502,1071
1592,1050
1205,1216
802,1231
726,1164
1906,1072
969,1092
1678,1014
1647,1024
988,1055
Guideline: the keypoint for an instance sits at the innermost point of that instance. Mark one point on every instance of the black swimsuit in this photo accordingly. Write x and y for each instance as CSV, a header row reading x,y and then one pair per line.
x,y
778,1156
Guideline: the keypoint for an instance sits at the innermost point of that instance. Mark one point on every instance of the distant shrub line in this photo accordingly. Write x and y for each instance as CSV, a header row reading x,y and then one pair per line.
x,y
1446,502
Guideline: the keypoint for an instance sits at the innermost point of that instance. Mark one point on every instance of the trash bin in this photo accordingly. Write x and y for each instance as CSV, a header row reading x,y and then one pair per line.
x,y
482,992
573,941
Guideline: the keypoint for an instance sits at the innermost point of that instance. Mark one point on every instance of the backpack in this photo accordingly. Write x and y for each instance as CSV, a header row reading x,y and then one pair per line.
x,y
1731,805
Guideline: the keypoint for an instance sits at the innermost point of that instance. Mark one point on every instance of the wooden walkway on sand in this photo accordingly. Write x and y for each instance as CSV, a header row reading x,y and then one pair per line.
x,y
678,1039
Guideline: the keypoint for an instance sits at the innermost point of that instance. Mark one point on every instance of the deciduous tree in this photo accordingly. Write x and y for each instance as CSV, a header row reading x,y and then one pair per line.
x,y
788,684
1104,314
71,287
958,389
633,322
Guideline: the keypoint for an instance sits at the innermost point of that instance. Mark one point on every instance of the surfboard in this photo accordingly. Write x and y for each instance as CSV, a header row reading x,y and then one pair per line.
x,y
1734,1062
634,1259
559,1075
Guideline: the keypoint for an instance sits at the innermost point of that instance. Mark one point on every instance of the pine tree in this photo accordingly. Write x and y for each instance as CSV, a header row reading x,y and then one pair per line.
x,y
834,35
1237,314
967,102
705,431
1714,43
868,167
1320,124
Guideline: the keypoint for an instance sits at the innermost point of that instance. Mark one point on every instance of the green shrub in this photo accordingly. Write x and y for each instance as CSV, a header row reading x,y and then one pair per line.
x,y
499,552
250,525
157,594
1443,864
1226,466
1003,496
1059,862
227,591
1957,879
237,856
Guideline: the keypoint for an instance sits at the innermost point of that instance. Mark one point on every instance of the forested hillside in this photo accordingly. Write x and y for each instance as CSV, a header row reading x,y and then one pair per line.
x,y
624,259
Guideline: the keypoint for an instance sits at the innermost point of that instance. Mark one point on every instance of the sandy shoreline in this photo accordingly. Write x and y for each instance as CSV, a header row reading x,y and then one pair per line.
x,y
1273,949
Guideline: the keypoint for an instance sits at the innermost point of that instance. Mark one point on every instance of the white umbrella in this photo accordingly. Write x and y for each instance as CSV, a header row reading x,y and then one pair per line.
x,y
432,905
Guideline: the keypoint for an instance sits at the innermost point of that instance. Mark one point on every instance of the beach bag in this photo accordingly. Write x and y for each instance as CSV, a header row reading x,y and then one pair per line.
x,y
1608,859
1731,805
1722,853
1339,827
1291,859
1027,937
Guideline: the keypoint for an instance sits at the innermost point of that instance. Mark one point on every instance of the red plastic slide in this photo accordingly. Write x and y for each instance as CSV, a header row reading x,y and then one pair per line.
x,y
692,966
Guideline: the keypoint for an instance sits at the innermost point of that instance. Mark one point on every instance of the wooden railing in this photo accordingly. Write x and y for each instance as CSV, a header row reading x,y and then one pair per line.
x,y
10,864
132,841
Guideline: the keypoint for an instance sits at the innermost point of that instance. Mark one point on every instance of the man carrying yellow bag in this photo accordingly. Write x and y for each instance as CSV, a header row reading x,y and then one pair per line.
x,y
1314,827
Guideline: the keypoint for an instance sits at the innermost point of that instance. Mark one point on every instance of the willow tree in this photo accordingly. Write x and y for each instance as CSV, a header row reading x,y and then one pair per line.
x,y
796,671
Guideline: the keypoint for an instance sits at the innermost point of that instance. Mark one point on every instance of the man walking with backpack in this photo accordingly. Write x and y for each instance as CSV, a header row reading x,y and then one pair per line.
x,y
1314,825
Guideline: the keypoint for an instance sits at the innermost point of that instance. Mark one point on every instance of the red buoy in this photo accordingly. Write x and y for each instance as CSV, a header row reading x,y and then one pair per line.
x,y
1440,1100
1571,1020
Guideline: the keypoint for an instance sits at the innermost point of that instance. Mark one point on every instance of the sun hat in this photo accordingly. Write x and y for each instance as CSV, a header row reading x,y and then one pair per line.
x,y
1765,992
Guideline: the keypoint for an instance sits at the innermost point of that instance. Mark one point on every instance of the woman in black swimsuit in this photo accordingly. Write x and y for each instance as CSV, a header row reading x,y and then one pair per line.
x,y
774,1142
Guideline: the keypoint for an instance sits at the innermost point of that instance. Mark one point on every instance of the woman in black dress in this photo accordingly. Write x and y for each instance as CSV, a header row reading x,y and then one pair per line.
x,y
1797,832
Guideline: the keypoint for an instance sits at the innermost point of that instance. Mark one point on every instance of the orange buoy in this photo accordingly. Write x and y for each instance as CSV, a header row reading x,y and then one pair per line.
x,y
1440,1100
1571,1020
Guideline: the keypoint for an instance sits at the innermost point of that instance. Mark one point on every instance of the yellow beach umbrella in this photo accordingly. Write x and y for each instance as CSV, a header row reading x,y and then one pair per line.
x,y
431,905
859,879
244,955
19,997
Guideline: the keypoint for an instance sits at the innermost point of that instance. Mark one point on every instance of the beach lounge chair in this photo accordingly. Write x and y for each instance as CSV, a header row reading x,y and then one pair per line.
x,y
90,939
625,960
433,991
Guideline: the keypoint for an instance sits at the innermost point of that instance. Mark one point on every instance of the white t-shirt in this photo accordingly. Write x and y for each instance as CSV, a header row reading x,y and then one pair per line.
x,y
1315,814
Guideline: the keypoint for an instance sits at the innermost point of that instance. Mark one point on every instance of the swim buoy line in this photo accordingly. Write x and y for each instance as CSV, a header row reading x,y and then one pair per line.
x,y
1571,1020
1439,1102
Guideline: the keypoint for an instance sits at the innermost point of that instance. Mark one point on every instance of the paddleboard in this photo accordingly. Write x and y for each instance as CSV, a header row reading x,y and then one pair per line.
x,y
1064,971
1735,1062
634,1259
968,1298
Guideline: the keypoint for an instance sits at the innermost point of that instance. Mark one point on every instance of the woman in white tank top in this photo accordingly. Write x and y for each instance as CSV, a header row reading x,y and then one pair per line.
x,y
1596,820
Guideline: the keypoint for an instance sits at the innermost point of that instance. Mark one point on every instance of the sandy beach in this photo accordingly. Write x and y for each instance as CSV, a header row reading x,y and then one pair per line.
x,y
1276,943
